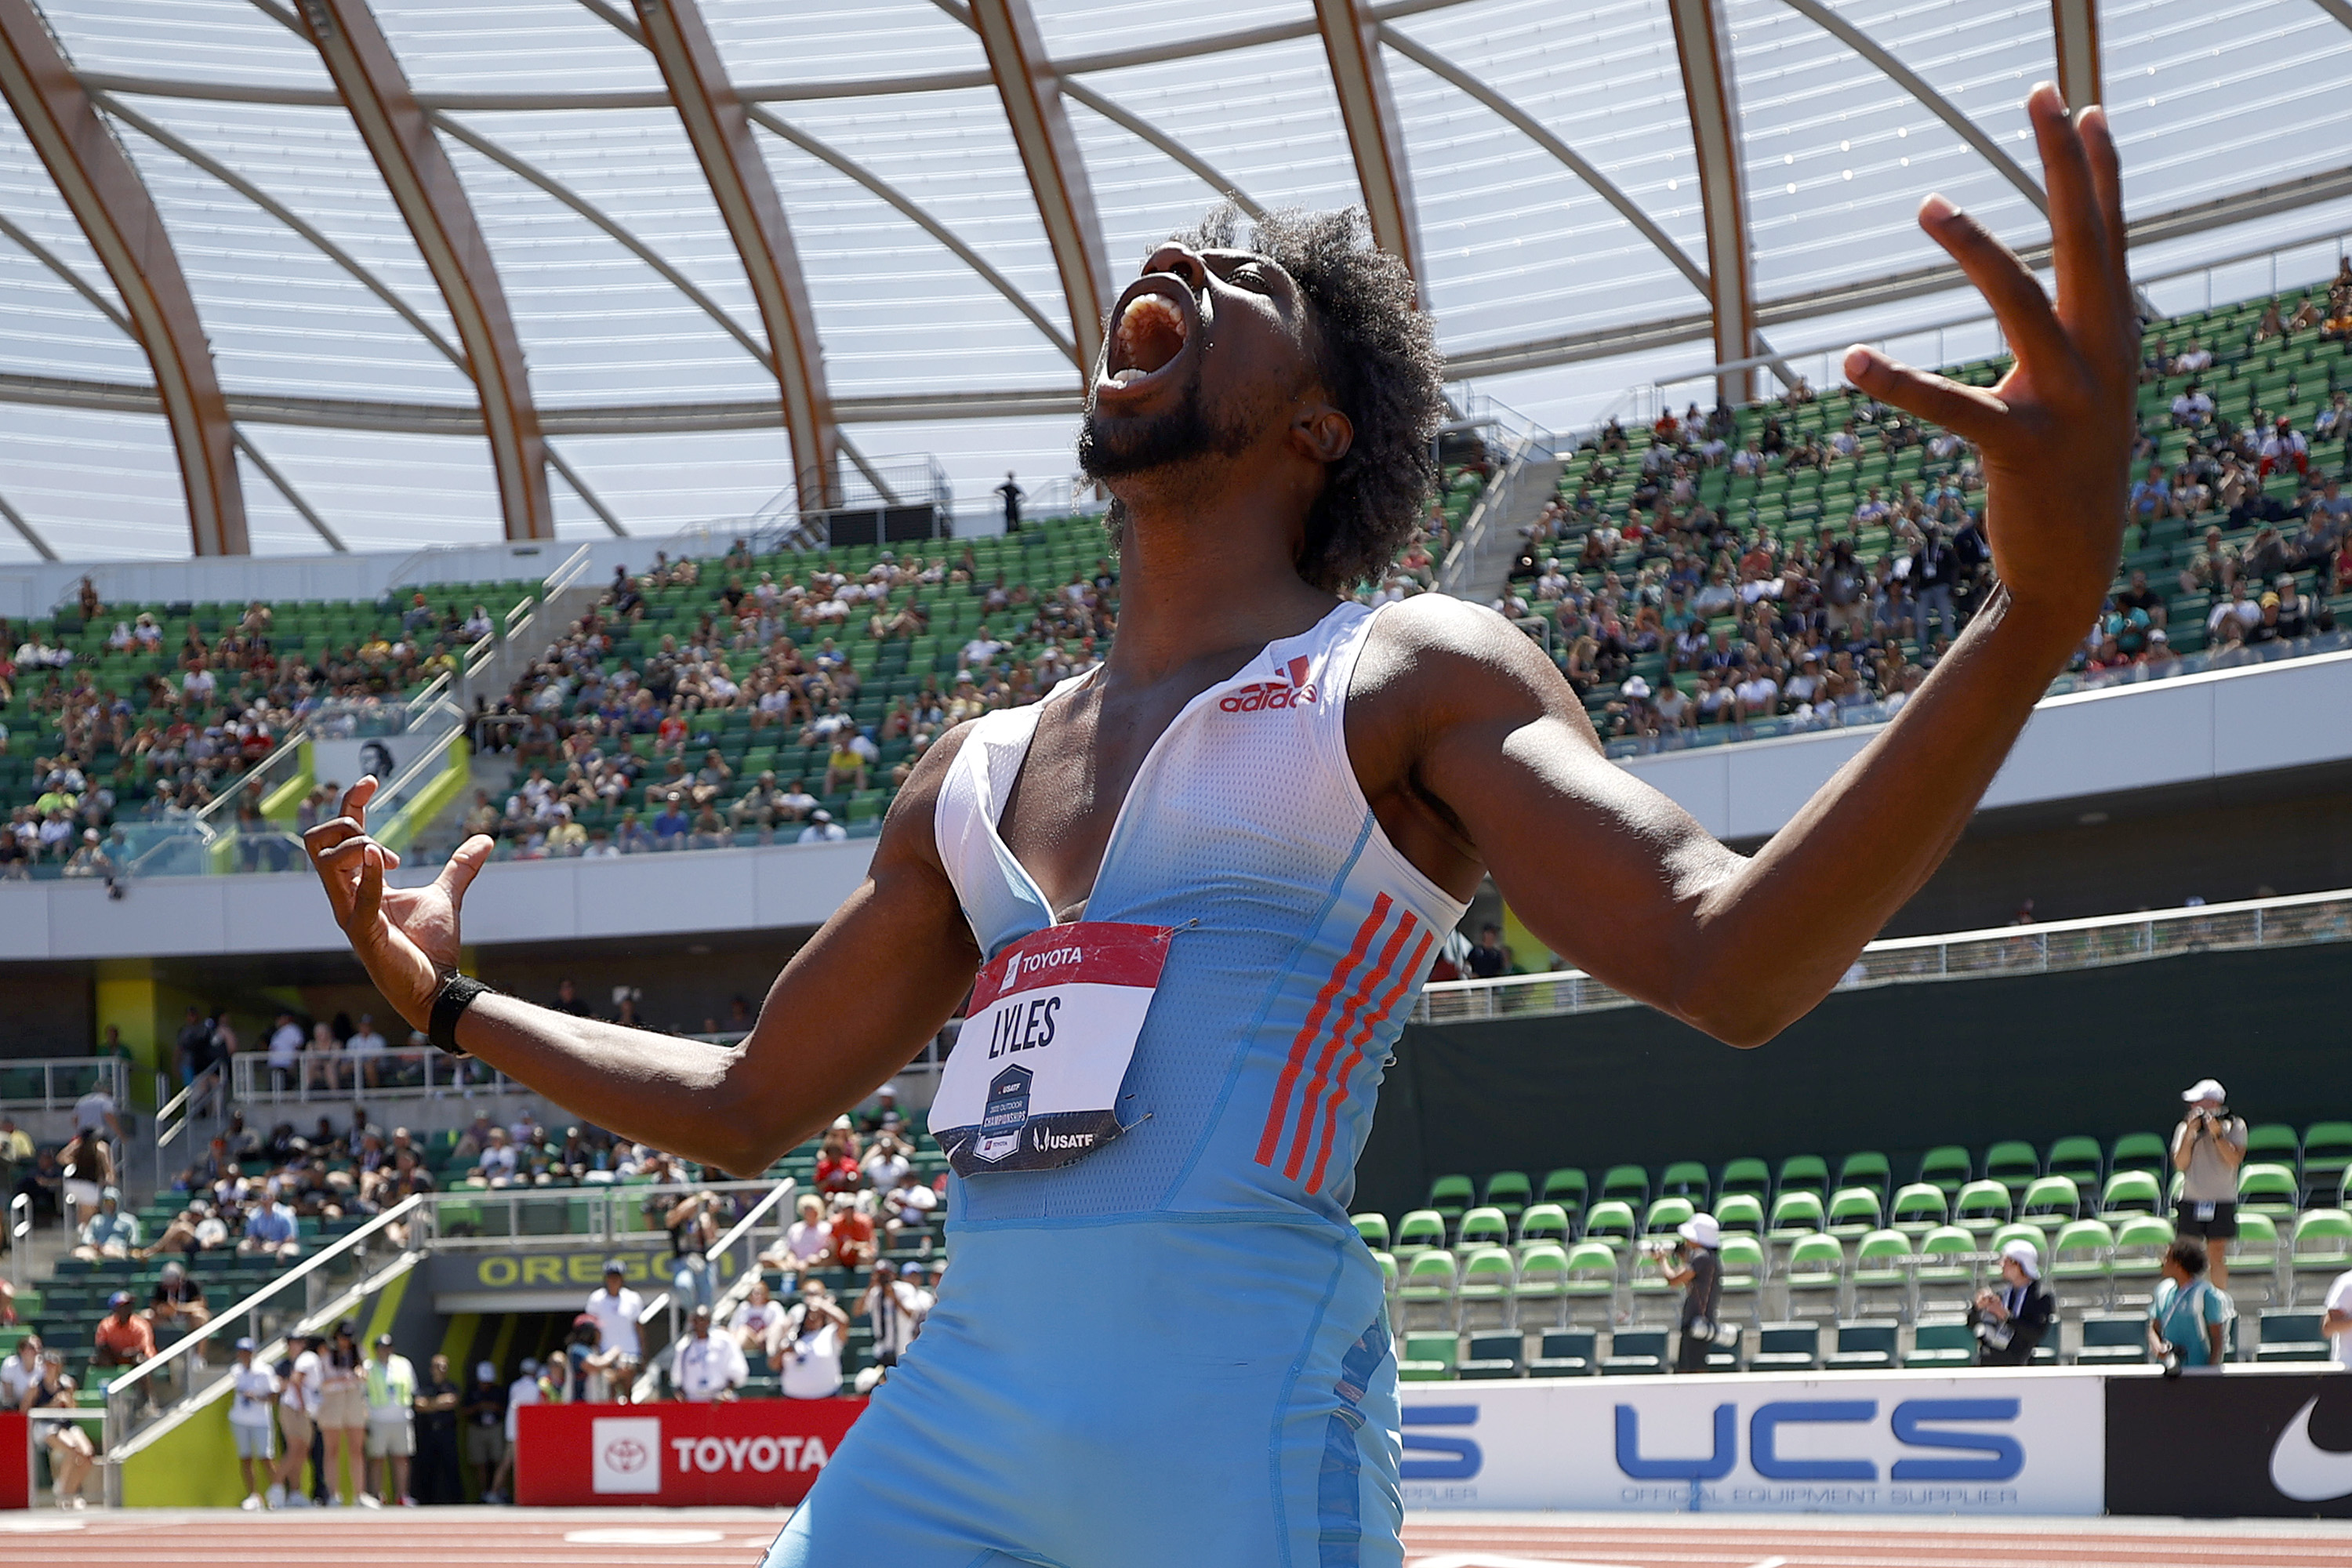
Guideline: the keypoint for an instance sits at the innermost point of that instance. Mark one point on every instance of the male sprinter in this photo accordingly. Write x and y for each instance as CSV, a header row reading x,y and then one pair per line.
x,y
1206,882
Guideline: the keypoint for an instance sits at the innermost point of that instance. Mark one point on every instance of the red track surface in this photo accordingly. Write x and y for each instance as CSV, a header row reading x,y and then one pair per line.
x,y
735,1537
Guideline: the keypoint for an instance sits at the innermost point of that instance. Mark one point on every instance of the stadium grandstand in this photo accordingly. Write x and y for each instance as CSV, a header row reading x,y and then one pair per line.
x,y
638,435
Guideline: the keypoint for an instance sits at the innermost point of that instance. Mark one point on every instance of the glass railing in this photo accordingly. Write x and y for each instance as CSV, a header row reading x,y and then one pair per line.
x,y
1864,715
2058,946
54,1083
341,1078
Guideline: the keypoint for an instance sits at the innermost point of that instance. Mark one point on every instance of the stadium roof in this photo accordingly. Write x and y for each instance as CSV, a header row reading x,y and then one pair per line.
x,y
416,271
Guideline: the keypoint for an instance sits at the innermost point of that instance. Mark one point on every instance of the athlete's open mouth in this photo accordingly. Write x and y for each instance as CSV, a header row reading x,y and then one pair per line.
x,y
1149,332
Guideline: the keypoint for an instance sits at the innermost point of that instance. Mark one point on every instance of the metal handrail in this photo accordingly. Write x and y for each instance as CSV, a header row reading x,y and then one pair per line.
x,y
204,1085
1463,558
648,1383
251,1082
120,1405
2057,947
113,1071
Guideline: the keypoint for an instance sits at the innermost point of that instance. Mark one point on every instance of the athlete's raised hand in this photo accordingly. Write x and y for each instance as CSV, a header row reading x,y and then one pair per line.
x,y
2056,432
407,937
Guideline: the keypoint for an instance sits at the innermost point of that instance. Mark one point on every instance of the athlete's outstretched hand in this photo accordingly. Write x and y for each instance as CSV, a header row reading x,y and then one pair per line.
x,y
407,937
2056,432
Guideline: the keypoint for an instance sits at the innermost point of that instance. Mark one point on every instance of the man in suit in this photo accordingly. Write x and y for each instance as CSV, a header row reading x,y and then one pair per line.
x,y
2011,1320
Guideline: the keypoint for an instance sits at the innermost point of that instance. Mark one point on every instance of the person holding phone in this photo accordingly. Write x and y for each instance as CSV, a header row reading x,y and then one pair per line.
x,y
2208,1147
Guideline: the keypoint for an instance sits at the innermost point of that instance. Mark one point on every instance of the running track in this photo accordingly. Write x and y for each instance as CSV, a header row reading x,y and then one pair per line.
x,y
735,1537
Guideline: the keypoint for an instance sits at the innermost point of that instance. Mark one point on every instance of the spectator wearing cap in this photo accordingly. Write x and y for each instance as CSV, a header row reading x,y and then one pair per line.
x,y
298,1416
485,1417
391,1383
252,1399
435,1476
2011,1320
822,828
177,1305
616,1307
1696,1268
524,1390
108,1233
708,1368
123,1337
2208,1147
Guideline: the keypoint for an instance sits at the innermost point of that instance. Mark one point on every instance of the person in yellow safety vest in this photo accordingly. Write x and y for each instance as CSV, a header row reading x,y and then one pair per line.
x,y
391,1426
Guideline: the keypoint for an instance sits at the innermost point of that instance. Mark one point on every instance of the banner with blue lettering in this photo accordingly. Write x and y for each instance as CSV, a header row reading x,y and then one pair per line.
x,y
1033,1080
1904,1443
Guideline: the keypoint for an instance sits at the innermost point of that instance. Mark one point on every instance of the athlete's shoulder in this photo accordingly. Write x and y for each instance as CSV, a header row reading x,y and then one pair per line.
x,y
907,831
1435,645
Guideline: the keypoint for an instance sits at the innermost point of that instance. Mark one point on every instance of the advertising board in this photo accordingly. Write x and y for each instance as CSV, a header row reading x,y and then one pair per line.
x,y
758,1452
2247,1444
1904,1442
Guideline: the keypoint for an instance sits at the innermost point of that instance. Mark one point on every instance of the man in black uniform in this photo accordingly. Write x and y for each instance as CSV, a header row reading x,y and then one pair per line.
x,y
432,1478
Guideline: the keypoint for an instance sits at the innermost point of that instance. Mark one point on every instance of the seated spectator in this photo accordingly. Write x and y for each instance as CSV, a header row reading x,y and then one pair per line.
x,y
2193,410
2187,1319
822,828
271,1230
72,1455
2011,1320
20,1374
498,1163
123,1337
807,1243
108,1233
844,769
853,1232
670,825
177,1302
907,1204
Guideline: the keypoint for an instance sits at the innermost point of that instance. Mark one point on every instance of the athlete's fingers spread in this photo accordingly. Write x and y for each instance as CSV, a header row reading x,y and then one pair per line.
x,y
1967,411
2015,297
2077,231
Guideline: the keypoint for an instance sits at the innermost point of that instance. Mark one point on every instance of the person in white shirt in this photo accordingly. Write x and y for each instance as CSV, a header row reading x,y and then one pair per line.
x,y
758,1318
21,1372
615,1308
808,1240
94,1112
811,1344
822,828
298,1412
524,1390
253,1398
886,1163
497,1165
368,1043
708,1368
2337,1325
285,1046
894,1310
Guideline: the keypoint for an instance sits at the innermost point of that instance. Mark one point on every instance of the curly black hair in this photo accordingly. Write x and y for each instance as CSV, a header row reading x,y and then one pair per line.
x,y
1376,355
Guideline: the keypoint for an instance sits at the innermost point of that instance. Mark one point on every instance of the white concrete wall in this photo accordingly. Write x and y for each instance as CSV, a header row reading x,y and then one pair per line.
x,y
2079,747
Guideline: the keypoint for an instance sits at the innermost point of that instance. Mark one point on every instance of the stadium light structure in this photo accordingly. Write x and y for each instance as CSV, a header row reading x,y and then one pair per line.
x,y
1367,111
1702,40
103,191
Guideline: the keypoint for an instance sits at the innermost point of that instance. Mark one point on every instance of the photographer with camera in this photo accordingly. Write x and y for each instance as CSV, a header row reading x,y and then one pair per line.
x,y
1696,1265
2013,1319
2208,1147
2188,1318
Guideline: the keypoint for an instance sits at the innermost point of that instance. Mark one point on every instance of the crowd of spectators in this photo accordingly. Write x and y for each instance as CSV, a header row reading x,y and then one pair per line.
x,y
1752,625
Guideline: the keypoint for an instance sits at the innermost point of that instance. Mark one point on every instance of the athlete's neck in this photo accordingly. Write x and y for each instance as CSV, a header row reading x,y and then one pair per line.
x,y
1209,570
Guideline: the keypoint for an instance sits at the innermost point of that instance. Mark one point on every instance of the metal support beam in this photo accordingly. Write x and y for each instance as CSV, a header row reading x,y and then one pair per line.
x,y
15,520
1935,102
720,130
1350,30
432,201
2075,26
1027,81
294,498
1703,40
108,199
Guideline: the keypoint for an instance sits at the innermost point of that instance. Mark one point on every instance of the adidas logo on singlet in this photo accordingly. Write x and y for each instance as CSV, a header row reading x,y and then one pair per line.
x,y
1259,696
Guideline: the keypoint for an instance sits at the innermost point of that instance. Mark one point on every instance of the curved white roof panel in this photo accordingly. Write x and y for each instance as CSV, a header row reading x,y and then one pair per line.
x,y
1554,186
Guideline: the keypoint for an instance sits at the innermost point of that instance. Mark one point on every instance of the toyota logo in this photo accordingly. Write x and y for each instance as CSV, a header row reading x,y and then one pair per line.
x,y
626,1455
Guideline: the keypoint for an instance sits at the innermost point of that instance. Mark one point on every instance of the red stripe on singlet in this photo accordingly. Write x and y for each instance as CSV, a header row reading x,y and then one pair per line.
x,y
1315,1085
1278,1114
1364,1033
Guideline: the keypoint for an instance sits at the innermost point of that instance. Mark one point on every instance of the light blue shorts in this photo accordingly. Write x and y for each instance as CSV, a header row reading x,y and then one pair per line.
x,y
1173,1391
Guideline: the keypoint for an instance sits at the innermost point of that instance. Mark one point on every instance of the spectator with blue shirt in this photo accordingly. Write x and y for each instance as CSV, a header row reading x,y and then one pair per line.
x,y
109,1232
271,1230
2188,1318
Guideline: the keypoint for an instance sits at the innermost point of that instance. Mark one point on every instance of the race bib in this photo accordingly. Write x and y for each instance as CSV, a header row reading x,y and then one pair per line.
x,y
1033,1083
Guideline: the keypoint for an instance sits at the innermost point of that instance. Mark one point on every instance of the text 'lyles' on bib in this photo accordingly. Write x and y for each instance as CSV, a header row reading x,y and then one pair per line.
x,y
1033,1080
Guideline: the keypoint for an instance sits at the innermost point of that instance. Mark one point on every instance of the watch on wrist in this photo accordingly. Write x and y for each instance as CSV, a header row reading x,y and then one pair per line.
x,y
449,1004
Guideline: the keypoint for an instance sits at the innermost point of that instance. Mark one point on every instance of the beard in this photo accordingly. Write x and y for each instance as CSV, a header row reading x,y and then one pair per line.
x,y
1183,433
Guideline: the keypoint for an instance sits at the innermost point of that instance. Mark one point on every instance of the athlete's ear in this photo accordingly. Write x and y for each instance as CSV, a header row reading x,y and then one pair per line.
x,y
1322,431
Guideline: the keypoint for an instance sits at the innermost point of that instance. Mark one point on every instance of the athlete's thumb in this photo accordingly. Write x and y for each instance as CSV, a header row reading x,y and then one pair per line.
x,y
465,865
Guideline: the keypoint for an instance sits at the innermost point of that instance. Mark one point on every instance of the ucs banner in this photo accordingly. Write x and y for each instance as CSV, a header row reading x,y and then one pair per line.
x,y
2245,1442
1906,1443
761,1452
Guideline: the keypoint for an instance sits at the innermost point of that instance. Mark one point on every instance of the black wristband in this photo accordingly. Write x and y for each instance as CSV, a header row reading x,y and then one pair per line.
x,y
449,1005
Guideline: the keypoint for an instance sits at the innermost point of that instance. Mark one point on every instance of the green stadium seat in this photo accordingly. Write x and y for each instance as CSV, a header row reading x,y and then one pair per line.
x,y
1418,1230
1982,1207
1865,1169
2326,1155
1565,1188
1815,1275
1427,1290
2113,1339
1509,1191
1540,1288
1483,1295
1374,1230
2014,1165
1795,1215
2130,1192
2079,1160
1547,1223
1491,1355
1865,1347
1611,1222
2137,1260
1881,1279
2141,1151
1852,1212
1685,1179
2271,1190
1739,1214
1451,1196
2274,1143
1751,1176
1944,1342
1565,1353
1635,1352
1803,1173
1428,1357
2291,1336
2080,1264
1593,1269
1483,1227
2050,1202
1920,1208
2321,1251
1946,1276
1629,1184
1666,1215
1787,1347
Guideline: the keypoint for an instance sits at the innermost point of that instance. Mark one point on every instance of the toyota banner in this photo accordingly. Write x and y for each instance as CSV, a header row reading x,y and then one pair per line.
x,y
760,1452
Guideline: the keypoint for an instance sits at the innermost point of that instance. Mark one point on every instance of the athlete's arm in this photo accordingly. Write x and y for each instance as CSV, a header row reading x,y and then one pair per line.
x,y
1612,874
849,1010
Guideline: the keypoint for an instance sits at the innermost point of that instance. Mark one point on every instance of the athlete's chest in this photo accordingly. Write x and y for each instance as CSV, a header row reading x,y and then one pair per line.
x,y
1083,762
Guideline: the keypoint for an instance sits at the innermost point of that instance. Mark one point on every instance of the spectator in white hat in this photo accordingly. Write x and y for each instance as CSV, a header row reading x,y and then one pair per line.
x,y
2208,1147
2011,1320
1698,1267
